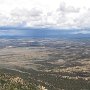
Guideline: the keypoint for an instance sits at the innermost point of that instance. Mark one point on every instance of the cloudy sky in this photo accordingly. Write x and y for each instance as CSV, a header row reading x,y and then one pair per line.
x,y
45,13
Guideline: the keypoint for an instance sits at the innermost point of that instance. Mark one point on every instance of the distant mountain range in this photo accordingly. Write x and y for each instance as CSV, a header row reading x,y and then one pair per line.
x,y
14,31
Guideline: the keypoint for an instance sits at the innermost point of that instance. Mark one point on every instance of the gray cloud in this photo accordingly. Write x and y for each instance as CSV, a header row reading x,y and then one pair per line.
x,y
35,12
63,17
66,15
30,17
67,9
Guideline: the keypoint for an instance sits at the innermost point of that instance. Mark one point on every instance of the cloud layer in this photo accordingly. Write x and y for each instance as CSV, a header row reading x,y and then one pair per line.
x,y
36,13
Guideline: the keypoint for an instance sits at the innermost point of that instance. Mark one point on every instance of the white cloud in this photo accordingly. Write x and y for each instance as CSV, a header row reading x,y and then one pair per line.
x,y
67,9
81,32
45,13
83,20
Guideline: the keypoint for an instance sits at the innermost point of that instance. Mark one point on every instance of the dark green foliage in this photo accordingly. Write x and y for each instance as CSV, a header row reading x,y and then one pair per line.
x,y
7,82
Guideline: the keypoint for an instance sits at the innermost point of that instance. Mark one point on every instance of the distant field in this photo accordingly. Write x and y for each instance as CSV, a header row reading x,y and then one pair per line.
x,y
54,64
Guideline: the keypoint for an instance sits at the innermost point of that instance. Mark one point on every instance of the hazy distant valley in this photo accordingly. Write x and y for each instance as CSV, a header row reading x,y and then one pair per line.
x,y
58,64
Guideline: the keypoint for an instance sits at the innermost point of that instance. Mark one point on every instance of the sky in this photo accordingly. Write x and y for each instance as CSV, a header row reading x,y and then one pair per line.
x,y
45,13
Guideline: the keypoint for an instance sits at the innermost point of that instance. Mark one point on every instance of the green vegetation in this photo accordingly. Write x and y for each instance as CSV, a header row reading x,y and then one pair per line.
x,y
8,82
57,65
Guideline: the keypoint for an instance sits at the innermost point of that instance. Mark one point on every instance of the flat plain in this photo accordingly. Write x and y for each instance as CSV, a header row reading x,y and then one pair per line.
x,y
55,64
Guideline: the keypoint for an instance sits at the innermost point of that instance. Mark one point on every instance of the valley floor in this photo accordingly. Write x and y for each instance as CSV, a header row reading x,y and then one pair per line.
x,y
54,64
